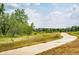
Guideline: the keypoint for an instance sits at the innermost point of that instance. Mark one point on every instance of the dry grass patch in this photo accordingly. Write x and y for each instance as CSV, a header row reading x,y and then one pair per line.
x,y
68,49
7,43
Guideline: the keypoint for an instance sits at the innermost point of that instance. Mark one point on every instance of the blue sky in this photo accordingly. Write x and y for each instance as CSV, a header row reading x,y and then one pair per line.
x,y
52,15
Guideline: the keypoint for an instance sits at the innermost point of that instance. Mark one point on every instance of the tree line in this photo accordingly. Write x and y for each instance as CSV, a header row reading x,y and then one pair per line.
x,y
15,23
49,30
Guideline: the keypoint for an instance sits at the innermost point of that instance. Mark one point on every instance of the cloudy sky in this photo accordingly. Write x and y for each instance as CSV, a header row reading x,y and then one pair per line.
x,y
49,14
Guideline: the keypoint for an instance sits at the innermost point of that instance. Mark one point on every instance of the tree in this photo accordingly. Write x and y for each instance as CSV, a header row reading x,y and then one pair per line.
x,y
21,16
5,24
4,18
15,23
1,9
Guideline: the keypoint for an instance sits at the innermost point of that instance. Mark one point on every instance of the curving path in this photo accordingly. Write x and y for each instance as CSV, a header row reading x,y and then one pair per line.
x,y
35,49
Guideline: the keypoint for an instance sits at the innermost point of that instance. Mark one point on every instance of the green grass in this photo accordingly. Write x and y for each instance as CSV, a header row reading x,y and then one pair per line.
x,y
74,33
7,43
71,48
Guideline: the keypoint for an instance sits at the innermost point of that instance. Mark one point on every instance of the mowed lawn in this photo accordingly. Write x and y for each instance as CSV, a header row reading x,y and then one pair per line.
x,y
71,48
7,43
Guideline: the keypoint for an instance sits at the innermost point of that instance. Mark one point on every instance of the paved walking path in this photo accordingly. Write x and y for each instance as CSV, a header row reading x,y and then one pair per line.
x,y
35,49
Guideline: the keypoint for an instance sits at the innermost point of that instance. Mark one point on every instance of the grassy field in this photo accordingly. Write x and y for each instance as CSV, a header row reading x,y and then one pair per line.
x,y
18,42
71,48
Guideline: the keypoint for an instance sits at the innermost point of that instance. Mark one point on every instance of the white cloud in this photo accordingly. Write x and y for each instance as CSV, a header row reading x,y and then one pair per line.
x,y
13,5
34,16
75,6
65,18
54,4
28,4
36,3
56,18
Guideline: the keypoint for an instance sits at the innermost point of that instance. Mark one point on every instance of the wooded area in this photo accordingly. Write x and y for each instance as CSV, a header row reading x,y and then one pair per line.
x,y
15,23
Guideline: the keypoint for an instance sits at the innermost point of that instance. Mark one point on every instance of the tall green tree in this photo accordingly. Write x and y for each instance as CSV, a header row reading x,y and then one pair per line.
x,y
2,9
21,16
